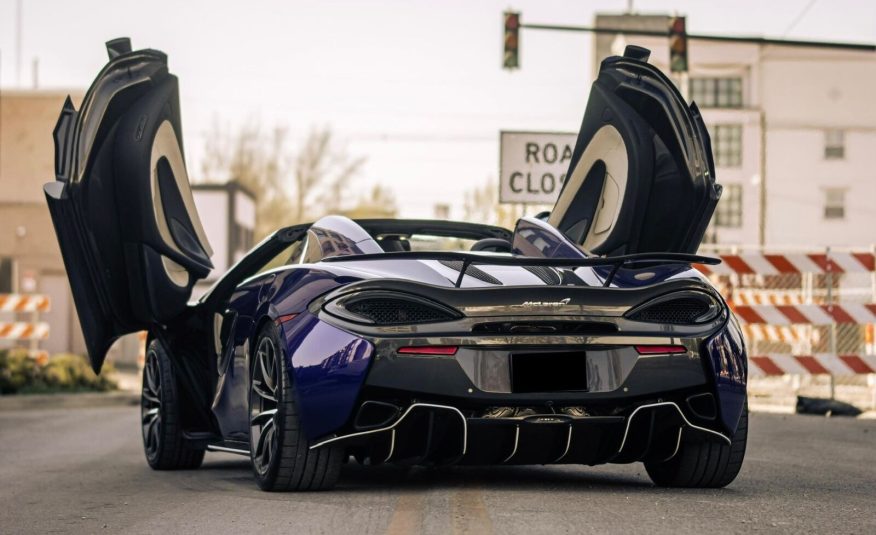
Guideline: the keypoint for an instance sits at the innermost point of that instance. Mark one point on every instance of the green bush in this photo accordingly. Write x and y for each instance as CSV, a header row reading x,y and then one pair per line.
x,y
62,373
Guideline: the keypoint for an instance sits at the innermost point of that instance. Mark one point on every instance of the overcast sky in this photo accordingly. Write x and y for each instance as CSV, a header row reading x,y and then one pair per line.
x,y
414,86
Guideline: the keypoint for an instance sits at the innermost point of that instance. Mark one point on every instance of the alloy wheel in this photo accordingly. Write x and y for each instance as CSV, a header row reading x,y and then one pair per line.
x,y
263,405
150,405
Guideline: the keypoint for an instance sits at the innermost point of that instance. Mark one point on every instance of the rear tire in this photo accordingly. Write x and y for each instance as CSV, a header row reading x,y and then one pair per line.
x,y
163,441
703,464
280,452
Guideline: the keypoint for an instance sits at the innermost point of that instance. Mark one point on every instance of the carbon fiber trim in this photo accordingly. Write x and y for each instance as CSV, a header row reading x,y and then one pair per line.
x,y
472,271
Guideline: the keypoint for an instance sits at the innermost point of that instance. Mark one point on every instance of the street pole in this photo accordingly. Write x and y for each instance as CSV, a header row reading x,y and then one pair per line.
x,y
833,321
761,183
18,10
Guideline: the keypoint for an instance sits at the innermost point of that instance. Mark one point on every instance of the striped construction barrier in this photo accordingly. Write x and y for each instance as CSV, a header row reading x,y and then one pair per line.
x,y
748,296
22,330
819,363
775,333
787,316
858,313
786,264
24,303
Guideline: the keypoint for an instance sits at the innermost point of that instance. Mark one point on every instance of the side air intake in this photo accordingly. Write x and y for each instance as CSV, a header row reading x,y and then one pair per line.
x,y
389,308
678,309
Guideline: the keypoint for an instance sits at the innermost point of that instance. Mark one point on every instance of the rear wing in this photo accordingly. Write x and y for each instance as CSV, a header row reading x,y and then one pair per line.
x,y
468,259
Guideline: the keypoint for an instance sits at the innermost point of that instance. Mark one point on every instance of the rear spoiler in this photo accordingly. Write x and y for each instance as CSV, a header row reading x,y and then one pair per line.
x,y
469,259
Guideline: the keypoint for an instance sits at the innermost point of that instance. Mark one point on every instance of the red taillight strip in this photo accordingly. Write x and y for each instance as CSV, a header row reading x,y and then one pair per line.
x,y
660,350
427,350
284,319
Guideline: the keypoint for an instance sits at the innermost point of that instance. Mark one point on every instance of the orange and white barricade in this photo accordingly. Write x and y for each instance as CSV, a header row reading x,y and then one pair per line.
x,y
24,303
12,329
22,330
778,310
791,263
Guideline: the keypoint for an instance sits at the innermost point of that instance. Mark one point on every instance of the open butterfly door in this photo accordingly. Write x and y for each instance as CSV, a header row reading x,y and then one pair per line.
x,y
121,204
642,178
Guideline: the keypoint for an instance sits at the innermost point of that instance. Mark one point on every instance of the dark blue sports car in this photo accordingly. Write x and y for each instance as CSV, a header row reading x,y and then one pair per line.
x,y
583,336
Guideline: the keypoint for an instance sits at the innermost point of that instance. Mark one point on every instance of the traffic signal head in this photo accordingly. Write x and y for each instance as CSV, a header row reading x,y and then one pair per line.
x,y
677,45
511,57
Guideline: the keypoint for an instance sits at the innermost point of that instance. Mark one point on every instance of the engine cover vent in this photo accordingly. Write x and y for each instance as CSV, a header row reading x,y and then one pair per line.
x,y
472,271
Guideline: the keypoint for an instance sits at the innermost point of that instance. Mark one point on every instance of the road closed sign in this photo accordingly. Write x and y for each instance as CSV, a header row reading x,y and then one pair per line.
x,y
533,165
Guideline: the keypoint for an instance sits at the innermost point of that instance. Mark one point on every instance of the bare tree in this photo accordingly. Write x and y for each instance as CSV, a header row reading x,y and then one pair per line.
x,y
380,202
322,174
481,205
290,186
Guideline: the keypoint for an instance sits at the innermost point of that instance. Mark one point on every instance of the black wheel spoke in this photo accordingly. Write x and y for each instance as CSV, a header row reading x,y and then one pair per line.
x,y
263,441
264,418
269,445
150,415
151,433
154,432
267,365
258,388
153,378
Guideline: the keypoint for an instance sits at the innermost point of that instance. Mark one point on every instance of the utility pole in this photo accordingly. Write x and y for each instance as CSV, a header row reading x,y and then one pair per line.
x,y
18,16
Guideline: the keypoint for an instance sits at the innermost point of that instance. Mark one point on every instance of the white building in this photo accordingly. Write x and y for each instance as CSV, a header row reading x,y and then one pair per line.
x,y
793,129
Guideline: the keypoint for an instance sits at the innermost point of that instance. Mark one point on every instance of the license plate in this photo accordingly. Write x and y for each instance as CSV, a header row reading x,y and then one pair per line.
x,y
548,372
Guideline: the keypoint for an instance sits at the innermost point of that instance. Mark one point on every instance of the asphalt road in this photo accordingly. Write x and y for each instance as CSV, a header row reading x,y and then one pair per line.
x,y
82,471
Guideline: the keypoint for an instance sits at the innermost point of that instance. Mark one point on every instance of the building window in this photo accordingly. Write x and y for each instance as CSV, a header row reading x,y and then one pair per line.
x,y
716,92
834,144
834,203
728,145
728,213
6,275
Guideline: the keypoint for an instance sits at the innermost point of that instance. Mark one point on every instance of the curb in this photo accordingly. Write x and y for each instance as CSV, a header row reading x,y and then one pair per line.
x,y
772,408
17,402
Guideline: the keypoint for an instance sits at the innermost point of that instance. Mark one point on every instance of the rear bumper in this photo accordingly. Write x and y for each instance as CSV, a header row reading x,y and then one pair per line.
x,y
427,433
480,376
439,409
481,373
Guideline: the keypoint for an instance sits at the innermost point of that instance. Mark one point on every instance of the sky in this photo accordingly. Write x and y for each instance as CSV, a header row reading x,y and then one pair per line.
x,y
415,87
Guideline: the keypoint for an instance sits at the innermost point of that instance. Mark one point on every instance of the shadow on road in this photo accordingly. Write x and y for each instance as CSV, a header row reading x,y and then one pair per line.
x,y
357,478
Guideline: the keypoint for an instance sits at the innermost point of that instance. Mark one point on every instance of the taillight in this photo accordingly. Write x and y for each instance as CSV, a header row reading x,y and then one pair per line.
x,y
427,350
660,350
284,319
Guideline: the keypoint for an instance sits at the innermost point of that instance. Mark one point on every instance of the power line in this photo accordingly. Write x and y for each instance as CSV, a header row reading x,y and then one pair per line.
x,y
703,37
799,17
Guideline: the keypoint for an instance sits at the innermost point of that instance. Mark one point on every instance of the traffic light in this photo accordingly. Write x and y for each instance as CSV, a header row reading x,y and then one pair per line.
x,y
511,58
677,45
